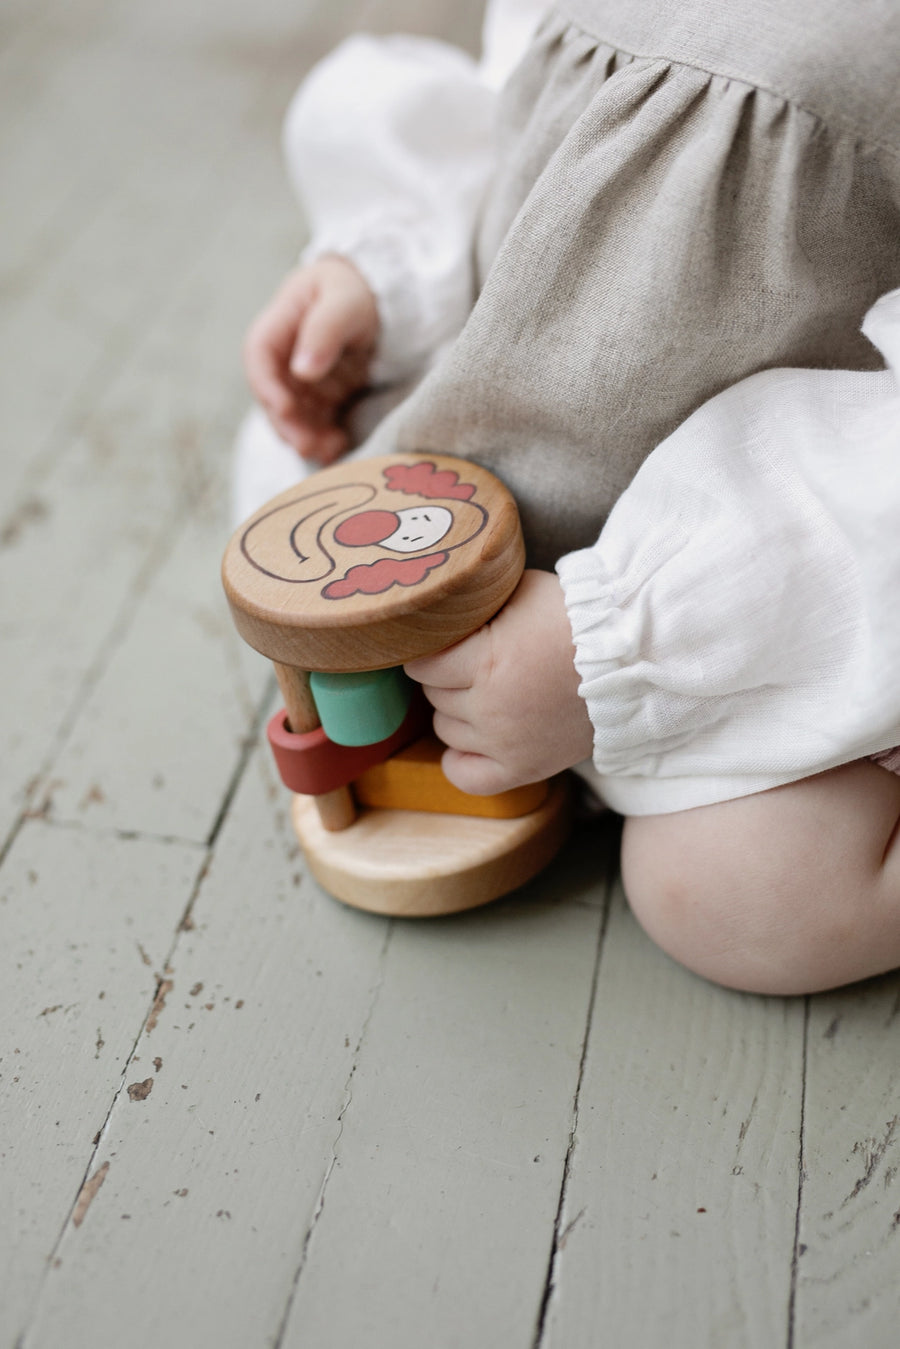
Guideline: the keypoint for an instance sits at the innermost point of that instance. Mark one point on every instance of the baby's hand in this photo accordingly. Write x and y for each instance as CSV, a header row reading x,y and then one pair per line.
x,y
307,354
506,699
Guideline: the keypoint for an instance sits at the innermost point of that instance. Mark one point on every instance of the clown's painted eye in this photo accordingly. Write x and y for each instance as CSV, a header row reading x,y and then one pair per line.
x,y
419,529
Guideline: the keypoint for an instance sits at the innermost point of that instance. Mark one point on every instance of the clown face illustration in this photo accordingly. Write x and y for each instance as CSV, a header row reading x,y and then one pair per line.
x,y
354,534
373,562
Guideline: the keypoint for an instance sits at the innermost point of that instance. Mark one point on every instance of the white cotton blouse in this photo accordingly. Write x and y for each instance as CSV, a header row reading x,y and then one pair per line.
x,y
405,125
733,623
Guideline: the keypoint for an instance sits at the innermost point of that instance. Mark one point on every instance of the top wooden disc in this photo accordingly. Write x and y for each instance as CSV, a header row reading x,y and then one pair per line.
x,y
374,562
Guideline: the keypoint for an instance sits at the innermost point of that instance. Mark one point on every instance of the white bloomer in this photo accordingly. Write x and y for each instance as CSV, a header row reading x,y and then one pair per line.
x,y
736,621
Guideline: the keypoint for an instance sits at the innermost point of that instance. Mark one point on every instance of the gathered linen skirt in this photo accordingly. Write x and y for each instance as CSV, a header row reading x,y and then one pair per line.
x,y
685,195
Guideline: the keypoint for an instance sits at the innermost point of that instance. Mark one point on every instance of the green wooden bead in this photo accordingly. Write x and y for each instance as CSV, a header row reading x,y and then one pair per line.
x,y
361,709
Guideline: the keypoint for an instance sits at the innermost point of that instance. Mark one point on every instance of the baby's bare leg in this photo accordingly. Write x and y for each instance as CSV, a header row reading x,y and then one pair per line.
x,y
789,891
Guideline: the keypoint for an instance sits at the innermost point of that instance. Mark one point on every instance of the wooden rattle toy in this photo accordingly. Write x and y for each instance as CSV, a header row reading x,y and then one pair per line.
x,y
338,581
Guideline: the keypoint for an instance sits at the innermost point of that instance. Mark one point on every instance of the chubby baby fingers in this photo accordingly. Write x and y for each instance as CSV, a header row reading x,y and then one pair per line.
x,y
479,761
458,667
477,774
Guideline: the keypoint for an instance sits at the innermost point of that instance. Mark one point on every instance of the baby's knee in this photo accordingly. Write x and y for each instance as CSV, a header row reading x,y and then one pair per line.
x,y
733,906
675,899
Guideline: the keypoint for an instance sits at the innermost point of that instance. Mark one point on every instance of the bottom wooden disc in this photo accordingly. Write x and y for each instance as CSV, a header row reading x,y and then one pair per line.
x,y
410,864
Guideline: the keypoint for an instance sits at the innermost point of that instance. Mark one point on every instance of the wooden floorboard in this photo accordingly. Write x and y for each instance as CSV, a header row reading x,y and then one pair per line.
x,y
685,1169
849,1233
233,1111
88,923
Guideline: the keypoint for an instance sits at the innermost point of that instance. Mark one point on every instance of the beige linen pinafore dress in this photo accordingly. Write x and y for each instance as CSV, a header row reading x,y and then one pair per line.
x,y
686,193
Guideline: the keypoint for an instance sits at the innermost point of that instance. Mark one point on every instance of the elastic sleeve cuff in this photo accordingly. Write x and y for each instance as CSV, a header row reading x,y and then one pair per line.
x,y
601,642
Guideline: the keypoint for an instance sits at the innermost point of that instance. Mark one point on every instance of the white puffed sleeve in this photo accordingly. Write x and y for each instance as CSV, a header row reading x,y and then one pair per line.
x,y
389,144
736,622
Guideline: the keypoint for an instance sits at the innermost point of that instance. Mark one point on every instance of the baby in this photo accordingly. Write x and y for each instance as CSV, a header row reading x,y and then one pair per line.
x,y
664,219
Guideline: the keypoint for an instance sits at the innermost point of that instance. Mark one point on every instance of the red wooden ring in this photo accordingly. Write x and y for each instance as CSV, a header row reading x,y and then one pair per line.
x,y
312,764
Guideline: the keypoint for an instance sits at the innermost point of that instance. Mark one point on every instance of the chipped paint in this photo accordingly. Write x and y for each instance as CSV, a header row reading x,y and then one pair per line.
x,y
87,1194
159,1002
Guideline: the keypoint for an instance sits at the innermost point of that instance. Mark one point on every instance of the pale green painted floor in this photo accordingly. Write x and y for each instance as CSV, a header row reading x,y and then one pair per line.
x,y
232,1112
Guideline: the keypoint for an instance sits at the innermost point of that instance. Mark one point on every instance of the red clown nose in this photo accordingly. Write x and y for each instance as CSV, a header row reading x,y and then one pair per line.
x,y
367,527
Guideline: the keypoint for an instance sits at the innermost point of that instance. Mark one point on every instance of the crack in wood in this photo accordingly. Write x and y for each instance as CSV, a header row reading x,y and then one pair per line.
x,y
799,1246
570,1228
560,1234
332,1161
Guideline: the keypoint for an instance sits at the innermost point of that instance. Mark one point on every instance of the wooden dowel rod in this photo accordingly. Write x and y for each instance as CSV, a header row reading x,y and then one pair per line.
x,y
337,809
298,699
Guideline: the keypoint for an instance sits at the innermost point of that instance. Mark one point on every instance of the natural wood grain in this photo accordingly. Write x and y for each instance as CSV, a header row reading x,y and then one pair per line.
x,y
302,715
364,566
336,808
412,865
309,588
